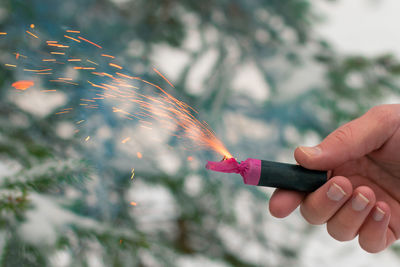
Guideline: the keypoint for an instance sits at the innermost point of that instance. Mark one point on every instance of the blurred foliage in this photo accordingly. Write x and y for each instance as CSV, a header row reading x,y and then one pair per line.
x,y
274,36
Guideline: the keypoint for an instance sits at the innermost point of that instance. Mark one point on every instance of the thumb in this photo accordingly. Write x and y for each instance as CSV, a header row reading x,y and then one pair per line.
x,y
352,140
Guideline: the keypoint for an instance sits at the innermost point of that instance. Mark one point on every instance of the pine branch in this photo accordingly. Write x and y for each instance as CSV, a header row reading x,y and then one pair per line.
x,y
47,175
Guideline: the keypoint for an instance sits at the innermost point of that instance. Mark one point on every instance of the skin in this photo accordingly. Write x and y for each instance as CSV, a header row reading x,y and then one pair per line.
x,y
363,157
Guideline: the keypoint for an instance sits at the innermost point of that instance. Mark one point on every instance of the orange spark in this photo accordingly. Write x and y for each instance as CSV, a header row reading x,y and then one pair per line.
x,y
146,127
3,33
79,122
58,45
72,38
32,26
91,62
87,100
18,55
105,55
63,81
49,59
73,31
74,59
99,86
43,73
190,158
127,76
46,91
109,86
42,70
162,76
115,66
90,42
84,68
98,74
32,34
23,84
62,112
133,203
108,75
125,140
87,138
139,155
57,53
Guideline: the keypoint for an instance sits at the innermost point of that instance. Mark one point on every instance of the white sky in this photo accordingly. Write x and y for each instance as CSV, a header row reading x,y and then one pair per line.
x,y
362,26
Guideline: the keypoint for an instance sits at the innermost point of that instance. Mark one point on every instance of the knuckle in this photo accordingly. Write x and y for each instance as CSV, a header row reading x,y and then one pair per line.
x,y
344,134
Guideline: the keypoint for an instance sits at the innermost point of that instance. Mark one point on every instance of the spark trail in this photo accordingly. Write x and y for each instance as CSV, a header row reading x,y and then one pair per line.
x,y
106,80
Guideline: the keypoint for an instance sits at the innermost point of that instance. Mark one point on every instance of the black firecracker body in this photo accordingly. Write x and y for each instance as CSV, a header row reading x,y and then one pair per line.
x,y
290,176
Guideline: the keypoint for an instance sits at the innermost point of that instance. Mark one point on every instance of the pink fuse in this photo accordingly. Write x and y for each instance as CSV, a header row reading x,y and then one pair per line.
x,y
272,174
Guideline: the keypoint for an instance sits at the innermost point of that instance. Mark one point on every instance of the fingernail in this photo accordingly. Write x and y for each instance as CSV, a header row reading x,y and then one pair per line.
x,y
335,192
359,202
311,151
378,214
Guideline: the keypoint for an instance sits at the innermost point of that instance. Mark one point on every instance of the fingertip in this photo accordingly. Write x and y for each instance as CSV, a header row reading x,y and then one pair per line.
x,y
302,157
283,202
311,157
374,235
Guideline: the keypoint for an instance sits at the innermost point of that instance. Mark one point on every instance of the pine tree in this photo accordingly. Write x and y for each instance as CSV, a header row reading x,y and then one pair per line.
x,y
64,200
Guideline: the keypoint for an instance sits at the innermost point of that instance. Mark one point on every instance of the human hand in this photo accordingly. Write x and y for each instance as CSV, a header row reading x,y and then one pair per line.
x,y
363,196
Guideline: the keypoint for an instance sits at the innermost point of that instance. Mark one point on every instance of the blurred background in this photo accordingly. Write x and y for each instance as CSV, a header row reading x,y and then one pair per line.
x,y
266,75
